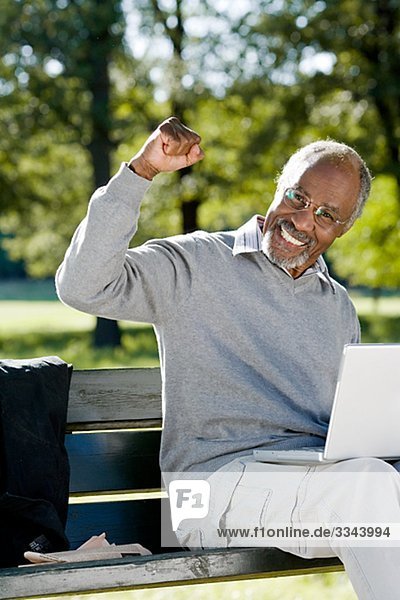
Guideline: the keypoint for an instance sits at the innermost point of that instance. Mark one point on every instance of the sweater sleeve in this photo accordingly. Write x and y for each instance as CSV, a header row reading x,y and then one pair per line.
x,y
100,275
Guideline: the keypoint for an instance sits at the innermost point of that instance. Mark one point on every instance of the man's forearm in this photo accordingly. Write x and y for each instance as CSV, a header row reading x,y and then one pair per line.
x,y
95,257
99,275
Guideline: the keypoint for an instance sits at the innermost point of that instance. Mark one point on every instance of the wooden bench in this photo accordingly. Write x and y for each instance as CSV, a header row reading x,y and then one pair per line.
x,y
113,438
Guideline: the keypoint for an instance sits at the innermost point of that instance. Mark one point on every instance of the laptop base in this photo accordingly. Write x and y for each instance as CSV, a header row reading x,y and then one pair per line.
x,y
307,456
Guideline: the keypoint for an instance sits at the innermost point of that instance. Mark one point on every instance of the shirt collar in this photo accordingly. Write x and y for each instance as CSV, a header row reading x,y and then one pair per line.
x,y
248,238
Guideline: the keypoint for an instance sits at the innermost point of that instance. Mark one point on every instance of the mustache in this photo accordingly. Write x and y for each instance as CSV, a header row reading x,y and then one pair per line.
x,y
291,229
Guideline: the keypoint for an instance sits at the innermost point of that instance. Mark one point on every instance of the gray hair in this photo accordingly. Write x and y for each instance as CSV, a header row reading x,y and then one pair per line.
x,y
309,155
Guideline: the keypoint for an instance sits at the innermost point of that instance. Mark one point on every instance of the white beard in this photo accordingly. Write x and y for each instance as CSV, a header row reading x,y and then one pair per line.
x,y
285,263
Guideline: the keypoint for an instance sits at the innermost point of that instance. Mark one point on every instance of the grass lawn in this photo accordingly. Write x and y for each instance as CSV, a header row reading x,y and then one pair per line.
x,y
35,323
37,327
334,586
45,328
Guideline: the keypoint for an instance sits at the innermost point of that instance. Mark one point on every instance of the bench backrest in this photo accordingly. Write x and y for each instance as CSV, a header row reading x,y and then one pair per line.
x,y
113,441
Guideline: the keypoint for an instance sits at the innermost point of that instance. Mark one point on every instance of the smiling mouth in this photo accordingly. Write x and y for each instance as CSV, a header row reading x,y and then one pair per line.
x,y
289,238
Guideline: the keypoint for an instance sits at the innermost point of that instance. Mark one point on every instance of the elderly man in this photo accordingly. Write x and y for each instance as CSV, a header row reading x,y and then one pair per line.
x,y
250,327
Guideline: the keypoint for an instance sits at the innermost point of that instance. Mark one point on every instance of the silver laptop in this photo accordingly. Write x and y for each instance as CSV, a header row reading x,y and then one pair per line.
x,y
365,417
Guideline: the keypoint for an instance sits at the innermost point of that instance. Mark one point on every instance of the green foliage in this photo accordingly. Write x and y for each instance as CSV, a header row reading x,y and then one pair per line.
x,y
51,51
59,177
342,57
80,90
59,119
369,253
380,329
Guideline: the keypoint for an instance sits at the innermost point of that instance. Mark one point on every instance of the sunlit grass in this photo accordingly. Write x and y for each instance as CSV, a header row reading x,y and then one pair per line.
x,y
47,328
384,306
332,586
22,316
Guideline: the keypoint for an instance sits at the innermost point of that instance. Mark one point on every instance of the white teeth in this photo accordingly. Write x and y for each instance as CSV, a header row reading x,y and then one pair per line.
x,y
286,236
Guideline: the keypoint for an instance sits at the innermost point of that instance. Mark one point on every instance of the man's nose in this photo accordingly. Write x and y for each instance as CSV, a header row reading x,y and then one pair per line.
x,y
303,220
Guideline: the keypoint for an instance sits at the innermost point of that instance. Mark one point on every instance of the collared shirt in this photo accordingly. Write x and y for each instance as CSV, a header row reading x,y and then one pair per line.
x,y
249,239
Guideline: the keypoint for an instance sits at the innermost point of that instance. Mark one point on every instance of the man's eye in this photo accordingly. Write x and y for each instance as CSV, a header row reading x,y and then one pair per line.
x,y
325,214
298,196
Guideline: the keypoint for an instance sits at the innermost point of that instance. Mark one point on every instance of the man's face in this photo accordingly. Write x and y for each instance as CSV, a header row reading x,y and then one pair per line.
x,y
292,238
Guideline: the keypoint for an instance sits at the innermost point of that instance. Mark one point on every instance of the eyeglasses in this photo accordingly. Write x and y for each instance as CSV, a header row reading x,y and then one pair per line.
x,y
323,216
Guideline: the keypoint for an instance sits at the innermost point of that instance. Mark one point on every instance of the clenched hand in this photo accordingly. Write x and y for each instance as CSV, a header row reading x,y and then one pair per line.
x,y
170,147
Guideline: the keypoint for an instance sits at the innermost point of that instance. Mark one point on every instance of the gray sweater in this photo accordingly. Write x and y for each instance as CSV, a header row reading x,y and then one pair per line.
x,y
249,356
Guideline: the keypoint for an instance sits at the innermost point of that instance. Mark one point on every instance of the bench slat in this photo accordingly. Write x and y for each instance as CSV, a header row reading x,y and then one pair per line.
x,y
114,461
169,569
101,395
124,522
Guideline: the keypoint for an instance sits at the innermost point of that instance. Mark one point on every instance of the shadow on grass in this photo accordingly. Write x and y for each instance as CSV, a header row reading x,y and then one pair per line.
x,y
380,329
139,348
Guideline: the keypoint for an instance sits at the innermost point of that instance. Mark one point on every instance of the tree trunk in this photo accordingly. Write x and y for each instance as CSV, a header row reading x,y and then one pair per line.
x,y
106,333
189,216
189,209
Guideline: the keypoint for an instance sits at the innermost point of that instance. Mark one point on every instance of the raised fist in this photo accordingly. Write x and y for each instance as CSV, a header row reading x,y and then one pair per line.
x,y
170,147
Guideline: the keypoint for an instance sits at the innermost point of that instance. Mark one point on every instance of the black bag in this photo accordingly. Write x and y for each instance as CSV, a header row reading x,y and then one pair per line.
x,y
34,469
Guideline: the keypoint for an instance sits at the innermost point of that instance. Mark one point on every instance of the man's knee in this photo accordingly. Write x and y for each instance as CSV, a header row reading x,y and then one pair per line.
x,y
368,464
363,489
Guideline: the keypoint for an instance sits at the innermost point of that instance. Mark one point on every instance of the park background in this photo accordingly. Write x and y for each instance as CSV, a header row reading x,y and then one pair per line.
x,y
83,83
